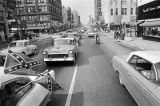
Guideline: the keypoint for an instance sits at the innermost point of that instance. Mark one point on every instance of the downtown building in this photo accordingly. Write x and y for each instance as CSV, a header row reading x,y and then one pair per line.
x,y
39,15
71,19
123,14
149,19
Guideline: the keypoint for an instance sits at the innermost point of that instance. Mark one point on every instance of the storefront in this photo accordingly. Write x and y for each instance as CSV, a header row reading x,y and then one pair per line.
x,y
150,28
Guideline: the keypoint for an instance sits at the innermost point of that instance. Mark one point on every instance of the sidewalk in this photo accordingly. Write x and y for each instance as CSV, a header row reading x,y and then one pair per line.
x,y
139,43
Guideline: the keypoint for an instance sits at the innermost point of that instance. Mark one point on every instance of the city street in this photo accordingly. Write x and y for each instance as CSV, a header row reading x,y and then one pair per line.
x,y
92,81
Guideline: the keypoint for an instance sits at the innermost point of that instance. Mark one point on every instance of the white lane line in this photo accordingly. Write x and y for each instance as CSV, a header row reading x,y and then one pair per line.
x,y
68,101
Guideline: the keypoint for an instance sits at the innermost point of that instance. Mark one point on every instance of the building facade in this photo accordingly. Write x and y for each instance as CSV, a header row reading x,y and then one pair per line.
x,y
37,15
98,11
2,21
123,12
149,19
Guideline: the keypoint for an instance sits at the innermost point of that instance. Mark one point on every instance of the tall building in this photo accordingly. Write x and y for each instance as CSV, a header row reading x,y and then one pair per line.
x,y
75,18
122,12
37,15
98,10
64,15
2,21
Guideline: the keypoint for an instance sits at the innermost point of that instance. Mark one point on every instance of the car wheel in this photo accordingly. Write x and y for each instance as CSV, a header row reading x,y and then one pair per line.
x,y
120,79
23,53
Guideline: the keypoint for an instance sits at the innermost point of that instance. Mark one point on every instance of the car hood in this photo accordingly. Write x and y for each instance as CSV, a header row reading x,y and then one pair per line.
x,y
60,49
14,49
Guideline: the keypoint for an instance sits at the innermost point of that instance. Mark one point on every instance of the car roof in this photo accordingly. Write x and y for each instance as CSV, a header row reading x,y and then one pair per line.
x,y
21,41
151,56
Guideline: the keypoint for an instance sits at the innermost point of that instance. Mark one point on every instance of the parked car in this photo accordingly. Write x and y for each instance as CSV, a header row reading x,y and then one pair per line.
x,y
63,49
91,34
21,46
19,84
139,72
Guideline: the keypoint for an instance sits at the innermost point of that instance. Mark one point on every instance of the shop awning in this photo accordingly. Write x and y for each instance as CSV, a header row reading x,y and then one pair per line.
x,y
150,23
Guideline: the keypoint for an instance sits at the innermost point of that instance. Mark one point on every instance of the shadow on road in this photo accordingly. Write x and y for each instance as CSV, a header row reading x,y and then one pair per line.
x,y
60,100
89,50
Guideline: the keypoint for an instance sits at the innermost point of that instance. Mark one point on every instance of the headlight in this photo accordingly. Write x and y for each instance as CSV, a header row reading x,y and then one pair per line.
x,y
45,52
70,51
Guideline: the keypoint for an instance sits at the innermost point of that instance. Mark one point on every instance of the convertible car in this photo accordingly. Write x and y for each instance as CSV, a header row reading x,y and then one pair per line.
x,y
20,83
139,72
63,49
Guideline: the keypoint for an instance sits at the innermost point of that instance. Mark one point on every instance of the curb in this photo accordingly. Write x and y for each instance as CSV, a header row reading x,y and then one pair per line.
x,y
131,45
127,44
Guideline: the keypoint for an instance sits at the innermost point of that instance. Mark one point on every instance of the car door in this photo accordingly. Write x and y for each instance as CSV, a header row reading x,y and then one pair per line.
x,y
142,79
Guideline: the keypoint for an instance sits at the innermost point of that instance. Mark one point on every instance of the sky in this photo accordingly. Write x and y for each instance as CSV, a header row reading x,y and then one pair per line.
x,y
84,8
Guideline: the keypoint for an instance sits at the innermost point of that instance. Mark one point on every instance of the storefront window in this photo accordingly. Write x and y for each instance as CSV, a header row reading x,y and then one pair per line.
x,y
155,31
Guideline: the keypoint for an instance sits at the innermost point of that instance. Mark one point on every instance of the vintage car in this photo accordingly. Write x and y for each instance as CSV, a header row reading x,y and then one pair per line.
x,y
20,85
139,72
63,49
21,46
91,34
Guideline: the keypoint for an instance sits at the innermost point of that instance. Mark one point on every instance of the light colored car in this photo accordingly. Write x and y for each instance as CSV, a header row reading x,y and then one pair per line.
x,y
91,34
21,46
139,72
63,49
20,85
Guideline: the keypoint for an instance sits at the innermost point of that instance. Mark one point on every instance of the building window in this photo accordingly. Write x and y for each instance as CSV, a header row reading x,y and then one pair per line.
x,y
124,11
131,11
111,11
31,9
23,17
124,2
43,18
42,1
42,8
31,18
116,11
30,1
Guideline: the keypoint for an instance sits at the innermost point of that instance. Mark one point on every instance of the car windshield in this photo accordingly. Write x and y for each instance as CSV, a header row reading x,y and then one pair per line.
x,y
16,44
64,42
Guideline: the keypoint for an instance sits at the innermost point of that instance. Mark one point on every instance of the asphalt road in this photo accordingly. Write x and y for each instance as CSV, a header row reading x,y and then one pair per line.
x,y
92,81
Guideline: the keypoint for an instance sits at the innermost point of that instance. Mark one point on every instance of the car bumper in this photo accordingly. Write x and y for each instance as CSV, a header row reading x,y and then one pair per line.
x,y
59,59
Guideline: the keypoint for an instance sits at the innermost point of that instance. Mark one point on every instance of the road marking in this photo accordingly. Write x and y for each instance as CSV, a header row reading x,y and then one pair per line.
x,y
68,101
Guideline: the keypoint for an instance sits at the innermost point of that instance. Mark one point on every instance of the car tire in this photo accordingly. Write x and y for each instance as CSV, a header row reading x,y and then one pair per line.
x,y
120,79
23,53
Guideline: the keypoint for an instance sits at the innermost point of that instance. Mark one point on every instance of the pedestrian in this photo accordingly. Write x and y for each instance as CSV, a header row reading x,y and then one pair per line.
x,y
118,35
115,34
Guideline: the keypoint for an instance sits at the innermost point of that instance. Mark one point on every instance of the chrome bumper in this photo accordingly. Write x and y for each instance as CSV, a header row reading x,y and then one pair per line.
x,y
59,59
